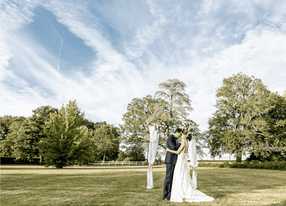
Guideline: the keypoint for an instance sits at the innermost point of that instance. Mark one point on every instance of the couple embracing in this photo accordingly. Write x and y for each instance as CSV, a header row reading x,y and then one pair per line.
x,y
178,185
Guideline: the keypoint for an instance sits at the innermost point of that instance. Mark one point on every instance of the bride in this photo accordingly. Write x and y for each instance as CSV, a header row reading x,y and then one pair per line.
x,y
183,188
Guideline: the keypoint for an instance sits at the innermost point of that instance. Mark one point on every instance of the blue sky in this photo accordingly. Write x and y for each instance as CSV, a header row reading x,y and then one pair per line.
x,y
105,53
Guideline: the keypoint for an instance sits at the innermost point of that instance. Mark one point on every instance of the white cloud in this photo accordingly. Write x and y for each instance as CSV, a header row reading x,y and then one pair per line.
x,y
193,44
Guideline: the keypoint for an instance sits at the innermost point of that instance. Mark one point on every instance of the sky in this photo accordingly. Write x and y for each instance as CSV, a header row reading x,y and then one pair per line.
x,y
104,53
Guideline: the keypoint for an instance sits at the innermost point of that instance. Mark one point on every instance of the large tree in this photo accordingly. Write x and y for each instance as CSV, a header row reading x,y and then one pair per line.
x,y
67,141
269,141
174,108
106,139
34,128
272,130
169,109
239,123
5,123
11,134
135,129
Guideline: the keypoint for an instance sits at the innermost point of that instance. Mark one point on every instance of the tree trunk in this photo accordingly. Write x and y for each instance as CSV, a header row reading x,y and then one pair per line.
x,y
238,157
103,158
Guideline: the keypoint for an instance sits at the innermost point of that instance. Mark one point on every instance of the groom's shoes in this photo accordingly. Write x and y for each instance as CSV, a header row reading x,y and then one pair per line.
x,y
166,199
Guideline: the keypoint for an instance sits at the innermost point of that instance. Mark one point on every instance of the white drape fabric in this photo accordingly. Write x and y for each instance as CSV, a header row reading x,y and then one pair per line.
x,y
183,188
192,153
150,184
154,140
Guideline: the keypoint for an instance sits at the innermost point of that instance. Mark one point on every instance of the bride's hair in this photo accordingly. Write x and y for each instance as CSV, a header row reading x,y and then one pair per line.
x,y
188,134
179,130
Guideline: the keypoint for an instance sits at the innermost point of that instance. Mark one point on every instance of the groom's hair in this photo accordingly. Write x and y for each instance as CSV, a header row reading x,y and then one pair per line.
x,y
179,130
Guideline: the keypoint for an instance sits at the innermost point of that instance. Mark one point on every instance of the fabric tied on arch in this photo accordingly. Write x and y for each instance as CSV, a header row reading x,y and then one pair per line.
x,y
154,140
192,153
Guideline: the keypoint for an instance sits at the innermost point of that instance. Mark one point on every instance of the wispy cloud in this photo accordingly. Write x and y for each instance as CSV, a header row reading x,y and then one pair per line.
x,y
58,64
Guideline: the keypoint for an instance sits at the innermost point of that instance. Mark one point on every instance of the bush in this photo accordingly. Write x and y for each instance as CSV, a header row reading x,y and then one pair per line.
x,y
275,156
208,164
274,165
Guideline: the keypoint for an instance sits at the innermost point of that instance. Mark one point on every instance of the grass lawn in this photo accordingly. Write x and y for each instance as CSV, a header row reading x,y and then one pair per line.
x,y
125,185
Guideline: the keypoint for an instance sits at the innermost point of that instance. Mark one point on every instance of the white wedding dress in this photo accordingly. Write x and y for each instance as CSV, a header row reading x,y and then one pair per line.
x,y
183,188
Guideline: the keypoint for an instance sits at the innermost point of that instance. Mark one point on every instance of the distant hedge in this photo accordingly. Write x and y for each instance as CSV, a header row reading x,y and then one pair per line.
x,y
274,165
12,160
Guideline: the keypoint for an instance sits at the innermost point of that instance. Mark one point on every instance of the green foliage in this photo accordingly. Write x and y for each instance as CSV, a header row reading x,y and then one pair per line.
x,y
5,123
25,133
275,156
26,145
107,141
173,106
66,141
135,153
135,129
246,114
274,165
121,156
211,164
168,109
14,131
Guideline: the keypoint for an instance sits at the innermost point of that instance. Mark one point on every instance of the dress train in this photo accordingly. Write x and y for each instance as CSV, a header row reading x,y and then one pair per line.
x,y
183,188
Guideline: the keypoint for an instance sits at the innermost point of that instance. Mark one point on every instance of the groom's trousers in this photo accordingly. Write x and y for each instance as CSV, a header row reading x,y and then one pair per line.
x,y
168,181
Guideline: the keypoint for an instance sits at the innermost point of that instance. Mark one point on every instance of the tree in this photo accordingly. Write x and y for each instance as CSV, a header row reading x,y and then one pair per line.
x,y
11,135
5,123
67,141
284,94
98,125
34,130
26,143
107,140
89,124
272,130
175,107
239,122
172,107
135,153
121,156
132,153
135,129
173,91
169,108
26,136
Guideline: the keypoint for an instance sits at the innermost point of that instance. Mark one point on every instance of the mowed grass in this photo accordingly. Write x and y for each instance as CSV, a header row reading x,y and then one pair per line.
x,y
124,185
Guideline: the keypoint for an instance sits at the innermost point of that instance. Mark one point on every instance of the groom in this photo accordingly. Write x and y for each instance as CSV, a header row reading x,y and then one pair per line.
x,y
170,161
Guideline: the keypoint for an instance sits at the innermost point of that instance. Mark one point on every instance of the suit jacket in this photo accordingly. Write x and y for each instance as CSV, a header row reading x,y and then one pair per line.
x,y
173,145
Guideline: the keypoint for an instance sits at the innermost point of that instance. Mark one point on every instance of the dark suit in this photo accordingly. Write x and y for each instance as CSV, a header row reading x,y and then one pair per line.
x,y
170,161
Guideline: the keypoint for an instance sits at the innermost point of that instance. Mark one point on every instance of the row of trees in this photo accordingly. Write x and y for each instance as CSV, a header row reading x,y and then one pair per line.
x,y
65,137
58,137
169,108
248,117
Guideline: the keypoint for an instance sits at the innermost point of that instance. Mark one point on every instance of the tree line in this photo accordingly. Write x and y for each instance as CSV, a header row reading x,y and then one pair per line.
x,y
58,137
248,118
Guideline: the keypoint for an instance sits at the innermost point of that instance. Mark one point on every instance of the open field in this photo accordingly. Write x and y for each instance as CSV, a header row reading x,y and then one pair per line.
x,y
125,185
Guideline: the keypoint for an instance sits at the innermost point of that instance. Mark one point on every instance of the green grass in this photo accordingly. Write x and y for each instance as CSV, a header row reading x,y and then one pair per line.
x,y
124,185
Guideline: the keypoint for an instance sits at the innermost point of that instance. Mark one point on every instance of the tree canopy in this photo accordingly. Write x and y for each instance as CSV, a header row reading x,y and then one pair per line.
x,y
67,141
240,122
106,139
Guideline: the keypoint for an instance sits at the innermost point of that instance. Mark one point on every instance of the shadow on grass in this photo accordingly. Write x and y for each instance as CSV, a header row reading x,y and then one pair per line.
x,y
223,183
283,203
25,167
